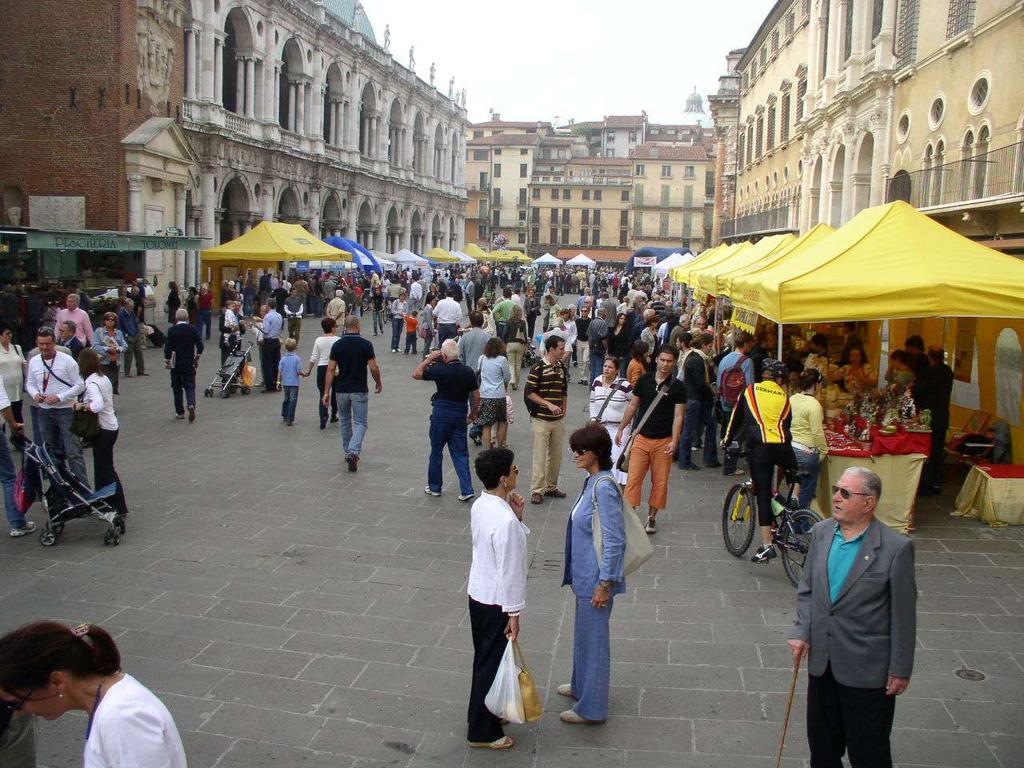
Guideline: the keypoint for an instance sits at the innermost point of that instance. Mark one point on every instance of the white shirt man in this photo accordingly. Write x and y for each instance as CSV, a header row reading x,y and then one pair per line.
x,y
448,311
53,384
416,291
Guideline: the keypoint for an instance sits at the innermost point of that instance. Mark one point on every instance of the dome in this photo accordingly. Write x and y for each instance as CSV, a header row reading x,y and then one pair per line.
x,y
694,113
352,15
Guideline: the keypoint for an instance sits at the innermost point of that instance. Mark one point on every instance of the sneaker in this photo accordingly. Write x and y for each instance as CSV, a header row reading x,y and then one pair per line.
x,y
764,554
191,414
467,496
25,530
652,525
179,416
429,492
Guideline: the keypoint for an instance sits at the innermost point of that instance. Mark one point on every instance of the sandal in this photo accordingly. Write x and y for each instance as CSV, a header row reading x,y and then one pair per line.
x,y
505,742
536,499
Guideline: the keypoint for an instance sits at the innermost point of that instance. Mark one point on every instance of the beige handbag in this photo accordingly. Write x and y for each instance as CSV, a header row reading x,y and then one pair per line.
x,y
638,544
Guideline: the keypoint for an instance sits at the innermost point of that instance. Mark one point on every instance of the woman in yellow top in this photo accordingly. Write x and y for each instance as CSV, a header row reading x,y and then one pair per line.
x,y
807,428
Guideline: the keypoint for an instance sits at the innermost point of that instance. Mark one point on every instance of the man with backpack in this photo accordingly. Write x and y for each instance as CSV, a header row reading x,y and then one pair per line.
x,y
735,374
546,395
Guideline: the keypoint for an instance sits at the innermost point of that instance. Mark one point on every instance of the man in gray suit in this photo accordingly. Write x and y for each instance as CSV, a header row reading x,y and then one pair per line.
x,y
857,619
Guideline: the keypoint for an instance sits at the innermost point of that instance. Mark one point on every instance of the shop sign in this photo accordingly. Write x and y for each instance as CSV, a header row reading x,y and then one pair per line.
x,y
645,261
744,319
103,241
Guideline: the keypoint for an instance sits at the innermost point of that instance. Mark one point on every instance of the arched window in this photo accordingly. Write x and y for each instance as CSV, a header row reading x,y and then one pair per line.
x,y
981,161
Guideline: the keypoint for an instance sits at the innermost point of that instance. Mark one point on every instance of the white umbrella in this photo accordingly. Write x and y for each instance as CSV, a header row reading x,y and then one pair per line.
x,y
547,258
582,260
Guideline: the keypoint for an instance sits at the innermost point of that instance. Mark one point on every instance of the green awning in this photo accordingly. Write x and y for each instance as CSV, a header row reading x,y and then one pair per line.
x,y
86,240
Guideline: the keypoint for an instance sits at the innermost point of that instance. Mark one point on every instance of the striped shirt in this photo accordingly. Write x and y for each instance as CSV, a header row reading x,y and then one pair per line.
x,y
551,382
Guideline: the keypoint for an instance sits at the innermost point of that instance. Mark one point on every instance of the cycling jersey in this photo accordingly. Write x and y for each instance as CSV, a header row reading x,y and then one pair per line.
x,y
763,413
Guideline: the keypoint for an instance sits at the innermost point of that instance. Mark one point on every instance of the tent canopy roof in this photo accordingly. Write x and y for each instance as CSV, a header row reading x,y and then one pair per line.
x,y
547,258
437,253
706,279
274,241
686,273
890,261
784,251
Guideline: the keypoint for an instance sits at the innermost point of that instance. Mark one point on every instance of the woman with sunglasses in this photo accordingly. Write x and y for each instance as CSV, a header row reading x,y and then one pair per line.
x,y
497,585
593,581
110,344
48,669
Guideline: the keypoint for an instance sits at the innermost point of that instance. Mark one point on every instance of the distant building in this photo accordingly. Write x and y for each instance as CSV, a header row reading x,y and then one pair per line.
x,y
673,194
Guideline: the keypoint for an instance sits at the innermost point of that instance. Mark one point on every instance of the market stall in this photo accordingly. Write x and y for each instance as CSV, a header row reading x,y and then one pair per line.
x,y
581,260
265,246
994,493
546,260
441,256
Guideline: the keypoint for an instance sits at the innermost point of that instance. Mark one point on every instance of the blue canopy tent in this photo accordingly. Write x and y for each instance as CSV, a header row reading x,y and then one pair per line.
x,y
659,254
366,260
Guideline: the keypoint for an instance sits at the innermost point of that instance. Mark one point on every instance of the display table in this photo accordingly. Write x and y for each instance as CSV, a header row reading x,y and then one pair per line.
x,y
993,492
897,459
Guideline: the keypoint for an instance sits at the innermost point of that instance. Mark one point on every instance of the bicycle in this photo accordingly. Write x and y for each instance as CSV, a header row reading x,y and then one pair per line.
x,y
791,531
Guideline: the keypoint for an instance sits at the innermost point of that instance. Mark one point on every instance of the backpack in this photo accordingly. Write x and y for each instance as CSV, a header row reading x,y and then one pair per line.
x,y
734,381
532,408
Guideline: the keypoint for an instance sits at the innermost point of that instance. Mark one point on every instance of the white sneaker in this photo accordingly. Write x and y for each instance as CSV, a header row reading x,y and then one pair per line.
x,y
652,525
467,497
25,530
429,492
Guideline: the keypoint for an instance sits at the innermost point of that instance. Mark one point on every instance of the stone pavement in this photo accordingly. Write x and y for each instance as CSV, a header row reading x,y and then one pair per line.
x,y
290,613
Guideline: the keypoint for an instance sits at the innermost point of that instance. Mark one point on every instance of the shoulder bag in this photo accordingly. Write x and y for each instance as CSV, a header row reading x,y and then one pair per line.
x,y
607,399
638,544
85,424
623,463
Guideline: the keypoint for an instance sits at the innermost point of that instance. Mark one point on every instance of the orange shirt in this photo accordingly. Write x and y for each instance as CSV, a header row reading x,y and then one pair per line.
x,y
411,323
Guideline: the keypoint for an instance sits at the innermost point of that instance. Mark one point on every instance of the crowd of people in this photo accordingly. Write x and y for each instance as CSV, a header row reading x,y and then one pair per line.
x,y
665,384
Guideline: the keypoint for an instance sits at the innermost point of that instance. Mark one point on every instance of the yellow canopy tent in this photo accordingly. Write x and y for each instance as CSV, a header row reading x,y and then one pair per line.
x,y
807,239
474,250
506,256
272,241
689,271
705,280
677,273
440,254
890,261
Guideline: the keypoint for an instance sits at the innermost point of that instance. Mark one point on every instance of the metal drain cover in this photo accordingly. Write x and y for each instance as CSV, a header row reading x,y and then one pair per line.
x,y
970,674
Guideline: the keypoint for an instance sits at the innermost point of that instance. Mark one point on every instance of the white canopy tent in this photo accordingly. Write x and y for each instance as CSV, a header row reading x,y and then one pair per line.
x,y
547,258
407,258
582,260
672,261
464,258
386,260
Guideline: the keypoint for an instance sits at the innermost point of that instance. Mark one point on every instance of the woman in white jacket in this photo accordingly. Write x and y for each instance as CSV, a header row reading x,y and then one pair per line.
x,y
98,397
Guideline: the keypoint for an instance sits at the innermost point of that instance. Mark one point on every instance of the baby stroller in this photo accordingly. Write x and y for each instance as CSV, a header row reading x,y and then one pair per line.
x,y
232,375
68,498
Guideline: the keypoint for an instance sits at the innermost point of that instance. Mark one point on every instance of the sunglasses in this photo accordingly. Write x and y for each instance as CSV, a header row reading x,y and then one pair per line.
x,y
17,706
846,493
577,453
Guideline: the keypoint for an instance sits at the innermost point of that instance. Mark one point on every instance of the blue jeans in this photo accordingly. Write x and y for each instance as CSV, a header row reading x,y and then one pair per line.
x,y
446,331
397,323
55,430
353,407
699,421
410,342
596,364
809,463
591,658
289,403
205,322
448,427
378,321
7,476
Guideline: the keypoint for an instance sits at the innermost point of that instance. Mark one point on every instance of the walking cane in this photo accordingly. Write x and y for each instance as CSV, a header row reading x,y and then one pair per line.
x,y
789,709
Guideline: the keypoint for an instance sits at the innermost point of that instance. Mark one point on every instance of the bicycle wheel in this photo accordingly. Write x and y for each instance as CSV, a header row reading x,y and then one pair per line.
x,y
795,541
738,519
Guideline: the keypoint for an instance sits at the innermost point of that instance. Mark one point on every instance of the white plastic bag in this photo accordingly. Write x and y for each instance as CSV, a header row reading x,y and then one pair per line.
x,y
504,699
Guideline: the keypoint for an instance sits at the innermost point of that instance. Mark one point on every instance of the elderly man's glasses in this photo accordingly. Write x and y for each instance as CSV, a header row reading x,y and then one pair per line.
x,y
846,493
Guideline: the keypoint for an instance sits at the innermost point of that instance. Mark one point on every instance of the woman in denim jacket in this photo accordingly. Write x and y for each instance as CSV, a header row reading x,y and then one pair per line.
x,y
110,344
594,583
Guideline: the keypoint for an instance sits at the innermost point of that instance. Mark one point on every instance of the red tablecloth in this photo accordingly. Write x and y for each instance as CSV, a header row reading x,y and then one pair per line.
x,y
900,444
1003,471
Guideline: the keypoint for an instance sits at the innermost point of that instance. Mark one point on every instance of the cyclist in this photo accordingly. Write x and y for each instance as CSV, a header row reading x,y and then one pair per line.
x,y
762,419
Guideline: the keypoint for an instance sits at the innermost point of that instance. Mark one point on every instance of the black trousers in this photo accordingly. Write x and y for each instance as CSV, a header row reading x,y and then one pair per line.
x,y
489,641
103,467
270,357
183,387
844,719
321,379
764,457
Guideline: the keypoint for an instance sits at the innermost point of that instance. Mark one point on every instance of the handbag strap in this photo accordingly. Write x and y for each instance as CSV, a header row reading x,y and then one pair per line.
x,y
662,391
608,398
597,508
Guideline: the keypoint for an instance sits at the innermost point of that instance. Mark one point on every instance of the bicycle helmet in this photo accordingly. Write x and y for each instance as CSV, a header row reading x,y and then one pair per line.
x,y
773,369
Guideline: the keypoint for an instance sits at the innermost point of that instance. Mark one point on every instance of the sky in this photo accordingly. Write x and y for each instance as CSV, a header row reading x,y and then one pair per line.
x,y
554,60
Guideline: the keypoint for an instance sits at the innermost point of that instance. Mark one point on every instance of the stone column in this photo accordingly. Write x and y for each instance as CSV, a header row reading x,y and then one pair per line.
x,y
884,49
181,224
208,54
293,88
135,181
268,200
275,94
300,107
314,212
190,64
240,89
218,71
209,202
250,87
849,181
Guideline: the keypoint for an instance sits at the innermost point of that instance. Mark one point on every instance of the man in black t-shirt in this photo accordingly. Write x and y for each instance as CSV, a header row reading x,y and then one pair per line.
x,y
659,432
351,357
457,393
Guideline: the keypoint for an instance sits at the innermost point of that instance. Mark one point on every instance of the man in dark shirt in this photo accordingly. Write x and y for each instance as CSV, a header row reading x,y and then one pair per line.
x,y
182,349
457,393
933,389
546,394
351,356
699,400
658,436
